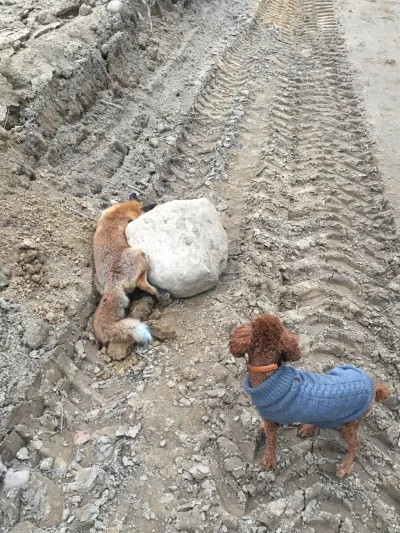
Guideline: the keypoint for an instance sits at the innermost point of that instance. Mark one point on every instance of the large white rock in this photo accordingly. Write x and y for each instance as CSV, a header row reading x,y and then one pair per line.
x,y
186,245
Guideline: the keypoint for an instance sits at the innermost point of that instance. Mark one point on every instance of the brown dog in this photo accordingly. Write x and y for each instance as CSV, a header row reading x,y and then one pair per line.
x,y
283,394
119,269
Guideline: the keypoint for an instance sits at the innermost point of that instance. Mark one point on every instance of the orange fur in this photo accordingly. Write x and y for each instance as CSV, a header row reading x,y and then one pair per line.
x,y
118,269
266,341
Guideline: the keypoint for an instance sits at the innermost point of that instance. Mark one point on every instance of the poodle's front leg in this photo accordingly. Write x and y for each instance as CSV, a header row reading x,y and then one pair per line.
x,y
271,432
349,432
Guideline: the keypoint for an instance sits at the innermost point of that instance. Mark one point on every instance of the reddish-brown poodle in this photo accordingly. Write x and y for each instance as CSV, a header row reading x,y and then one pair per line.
x,y
268,344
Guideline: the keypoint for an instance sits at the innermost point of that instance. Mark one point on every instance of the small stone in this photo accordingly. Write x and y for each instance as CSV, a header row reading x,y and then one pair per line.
x,y
118,351
36,332
128,431
46,464
80,348
199,471
114,7
85,480
23,454
236,466
10,446
85,10
154,142
13,479
162,331
163,443
309,458
37,444
44,17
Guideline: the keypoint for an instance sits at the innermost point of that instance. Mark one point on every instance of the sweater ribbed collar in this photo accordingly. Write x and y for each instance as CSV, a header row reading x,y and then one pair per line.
x,y
273,388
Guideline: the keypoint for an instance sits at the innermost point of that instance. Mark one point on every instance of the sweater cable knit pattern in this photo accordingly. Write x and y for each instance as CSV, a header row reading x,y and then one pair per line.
x,y
290,395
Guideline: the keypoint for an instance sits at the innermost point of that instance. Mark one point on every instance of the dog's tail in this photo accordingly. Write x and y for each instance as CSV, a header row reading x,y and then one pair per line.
x,y
382,392
109,324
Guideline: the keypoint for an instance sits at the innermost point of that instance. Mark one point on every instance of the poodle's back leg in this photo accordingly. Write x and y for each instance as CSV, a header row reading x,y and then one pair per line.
x,y
349,432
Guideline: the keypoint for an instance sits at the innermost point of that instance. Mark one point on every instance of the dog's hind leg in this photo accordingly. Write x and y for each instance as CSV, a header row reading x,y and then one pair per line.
x,y
349,432
306,430
271,431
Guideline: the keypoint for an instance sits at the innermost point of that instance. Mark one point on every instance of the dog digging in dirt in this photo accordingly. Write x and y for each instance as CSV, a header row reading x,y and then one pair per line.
x,y
283,394
118,270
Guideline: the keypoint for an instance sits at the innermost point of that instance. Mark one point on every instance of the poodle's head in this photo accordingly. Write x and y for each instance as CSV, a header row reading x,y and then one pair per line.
x,y
265,340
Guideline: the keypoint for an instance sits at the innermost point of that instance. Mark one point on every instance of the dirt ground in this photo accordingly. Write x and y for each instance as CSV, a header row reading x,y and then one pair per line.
x,y
284,115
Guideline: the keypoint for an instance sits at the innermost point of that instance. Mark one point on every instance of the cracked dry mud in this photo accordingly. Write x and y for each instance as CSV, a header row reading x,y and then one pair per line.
x,y
252,106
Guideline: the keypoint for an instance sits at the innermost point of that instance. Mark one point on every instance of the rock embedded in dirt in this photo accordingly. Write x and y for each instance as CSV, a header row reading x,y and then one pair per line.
x,y
14,479
128,431
161,330
86,479
186,244
154,142
114,7
235,466
36,332
85,10
10,446
23,454
118,351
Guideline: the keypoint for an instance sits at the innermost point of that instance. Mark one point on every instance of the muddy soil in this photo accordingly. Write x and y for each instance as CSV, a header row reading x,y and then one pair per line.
x,y
257,107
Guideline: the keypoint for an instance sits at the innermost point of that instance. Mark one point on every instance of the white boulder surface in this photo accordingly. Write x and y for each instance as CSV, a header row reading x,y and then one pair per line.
x,y
185,243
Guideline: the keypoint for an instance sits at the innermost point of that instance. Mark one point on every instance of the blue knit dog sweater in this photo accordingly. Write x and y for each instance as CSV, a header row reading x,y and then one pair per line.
x,y
291,395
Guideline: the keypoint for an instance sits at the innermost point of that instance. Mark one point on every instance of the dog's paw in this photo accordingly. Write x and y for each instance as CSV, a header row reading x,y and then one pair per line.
x,y
344,470
268,463
306,430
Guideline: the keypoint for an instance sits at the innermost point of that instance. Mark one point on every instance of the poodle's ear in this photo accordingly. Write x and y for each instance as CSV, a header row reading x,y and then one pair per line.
x,y
289,347
241,340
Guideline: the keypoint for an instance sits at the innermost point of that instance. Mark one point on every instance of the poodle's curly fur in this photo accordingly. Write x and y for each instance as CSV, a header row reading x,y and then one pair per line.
x,y
266,341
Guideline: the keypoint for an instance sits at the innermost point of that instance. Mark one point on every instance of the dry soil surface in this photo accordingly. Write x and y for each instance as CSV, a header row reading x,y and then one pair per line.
x,y
256,106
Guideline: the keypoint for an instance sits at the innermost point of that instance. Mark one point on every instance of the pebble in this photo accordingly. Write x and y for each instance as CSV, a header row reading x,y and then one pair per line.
x,y
44,17
85,10
85,480
114,7
79,348
46,464
236,466
309,458
23,454
13,479
128,431
199,471
154,142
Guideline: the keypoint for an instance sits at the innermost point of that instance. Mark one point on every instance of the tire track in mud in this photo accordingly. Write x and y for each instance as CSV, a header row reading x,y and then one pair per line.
x,y
324,219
